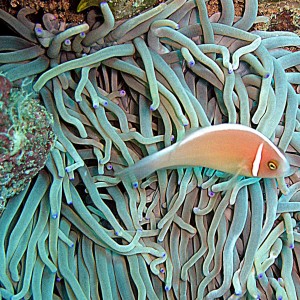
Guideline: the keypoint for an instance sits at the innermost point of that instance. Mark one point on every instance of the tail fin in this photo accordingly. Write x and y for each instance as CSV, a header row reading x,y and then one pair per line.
x,y
144,167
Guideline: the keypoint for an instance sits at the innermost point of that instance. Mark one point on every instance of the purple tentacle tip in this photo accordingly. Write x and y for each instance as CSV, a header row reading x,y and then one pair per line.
x,y
58,279
122,93
135,185
67,42
230,71
280,298
211,194
267,75
109,167
103,3
167,288
260,275
164,255
177,26
238,293
195,209
95,105
292,246
172,138
54,216
191,63
82,34
117,233
105,103
162,270
152,108
38,30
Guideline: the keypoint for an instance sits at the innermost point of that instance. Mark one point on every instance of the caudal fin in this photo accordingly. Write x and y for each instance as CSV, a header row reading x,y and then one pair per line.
x,y
144,167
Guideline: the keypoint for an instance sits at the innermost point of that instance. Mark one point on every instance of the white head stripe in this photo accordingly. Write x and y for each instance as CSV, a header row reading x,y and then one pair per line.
x,y
257,160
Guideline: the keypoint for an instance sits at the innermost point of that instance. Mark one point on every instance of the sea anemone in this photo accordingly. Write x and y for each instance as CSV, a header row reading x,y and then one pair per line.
x,y
119,91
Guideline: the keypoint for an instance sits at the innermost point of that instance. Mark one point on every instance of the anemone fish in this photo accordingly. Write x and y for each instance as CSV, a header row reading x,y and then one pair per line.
x,y
231,148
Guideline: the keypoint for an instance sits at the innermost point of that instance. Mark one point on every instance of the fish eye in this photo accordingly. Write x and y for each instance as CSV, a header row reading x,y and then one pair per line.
x,y
272,165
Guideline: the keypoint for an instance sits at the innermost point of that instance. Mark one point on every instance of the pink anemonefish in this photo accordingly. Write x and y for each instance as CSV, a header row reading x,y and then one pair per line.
x,y
231,148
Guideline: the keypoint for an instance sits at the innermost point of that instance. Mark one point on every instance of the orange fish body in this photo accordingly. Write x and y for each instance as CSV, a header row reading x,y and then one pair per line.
x,y
231,148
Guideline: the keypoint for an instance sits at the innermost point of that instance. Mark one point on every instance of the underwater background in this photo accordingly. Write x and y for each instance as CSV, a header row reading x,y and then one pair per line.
x,y
84,95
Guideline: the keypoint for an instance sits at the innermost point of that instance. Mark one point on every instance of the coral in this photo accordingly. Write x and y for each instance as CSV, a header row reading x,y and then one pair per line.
x,y
120,91
26,138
